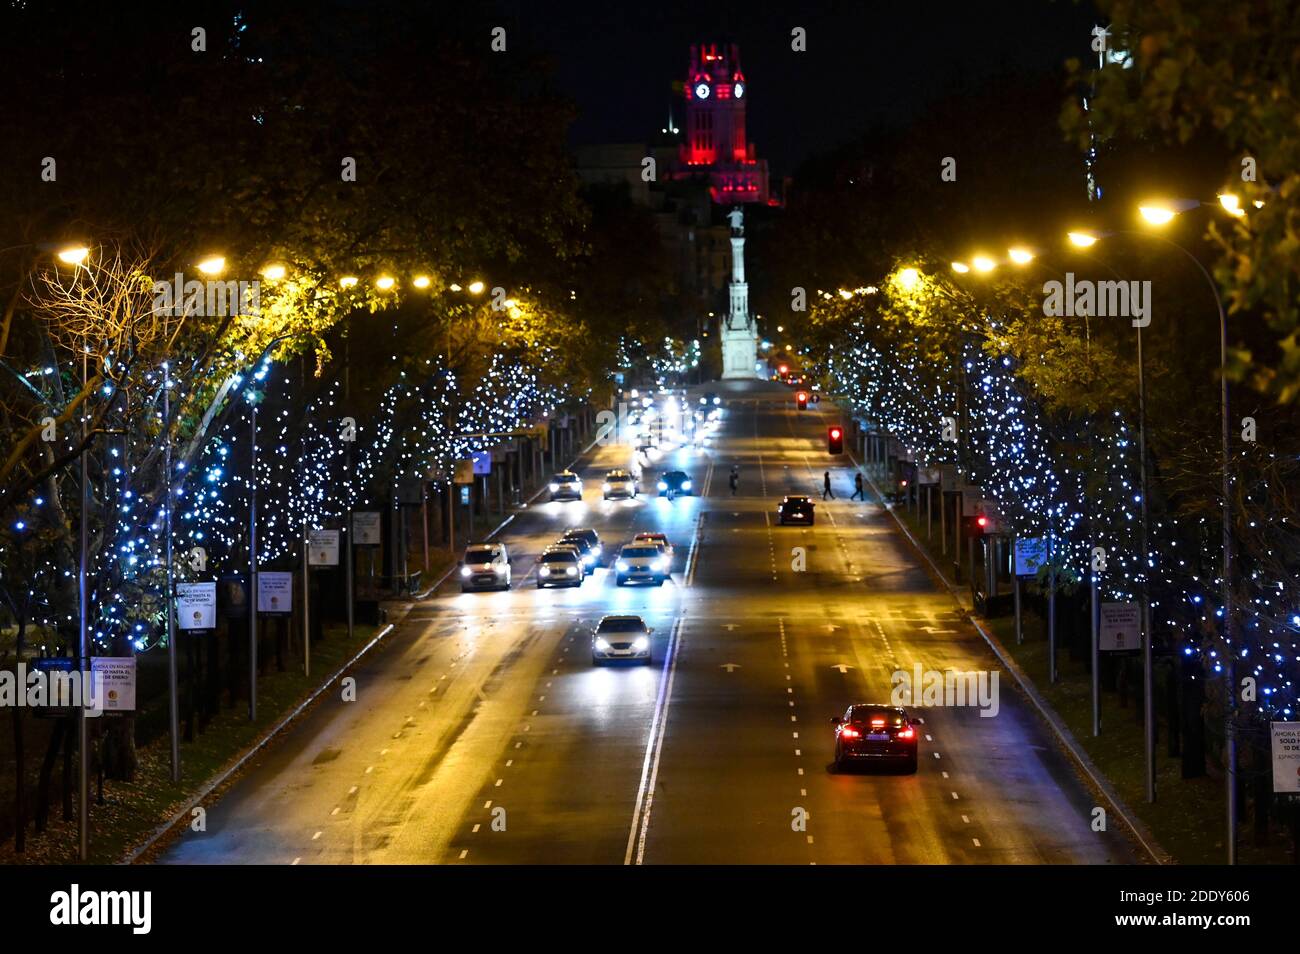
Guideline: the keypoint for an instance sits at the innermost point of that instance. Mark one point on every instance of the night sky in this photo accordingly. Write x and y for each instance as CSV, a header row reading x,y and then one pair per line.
x,y
866,63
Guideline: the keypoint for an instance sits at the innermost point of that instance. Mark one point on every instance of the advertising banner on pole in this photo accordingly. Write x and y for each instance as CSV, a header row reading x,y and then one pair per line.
x,y
274,592
1286,757
365,528
482,461
117,677
196,605
323,548
1120,627
1031,553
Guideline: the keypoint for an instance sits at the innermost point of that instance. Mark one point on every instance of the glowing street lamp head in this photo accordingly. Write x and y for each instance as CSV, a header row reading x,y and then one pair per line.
x,y
476,288
1157,214
845,294
273,272
1083,239
348,281
983,263
961,268
907,278
385,282
74,255
1231,204
1020,256
214,265
421,281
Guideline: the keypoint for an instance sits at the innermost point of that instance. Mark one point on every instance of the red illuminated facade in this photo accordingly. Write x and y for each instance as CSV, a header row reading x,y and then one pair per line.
x,y
715,144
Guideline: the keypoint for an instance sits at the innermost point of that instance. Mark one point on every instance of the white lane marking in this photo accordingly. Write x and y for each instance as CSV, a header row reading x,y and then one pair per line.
x,y
317,835
352,790
464,853
336,810
636,836
977,842
499,781
509,762
944,774
474,830
487,804
966,819
954,796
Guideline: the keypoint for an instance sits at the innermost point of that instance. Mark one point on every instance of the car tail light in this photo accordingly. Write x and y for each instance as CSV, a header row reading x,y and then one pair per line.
x,y
849,732
907,733
877,722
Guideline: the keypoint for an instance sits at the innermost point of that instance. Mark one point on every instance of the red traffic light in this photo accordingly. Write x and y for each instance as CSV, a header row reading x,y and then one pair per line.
x,y
784,369
982,521
835,440
836,433
802,399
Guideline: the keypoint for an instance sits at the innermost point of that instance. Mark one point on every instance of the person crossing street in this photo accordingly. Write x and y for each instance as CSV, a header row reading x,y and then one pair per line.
x,y
857,488
826,486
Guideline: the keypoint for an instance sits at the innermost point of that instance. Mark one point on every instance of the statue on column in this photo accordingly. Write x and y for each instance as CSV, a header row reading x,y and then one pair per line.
x,y
737,219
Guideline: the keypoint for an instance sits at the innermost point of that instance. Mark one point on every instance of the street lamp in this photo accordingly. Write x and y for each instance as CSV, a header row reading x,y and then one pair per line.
x,y
273,272
961,268
73,255
983,263
212,265
476,288
385,282
1083,239
1020,256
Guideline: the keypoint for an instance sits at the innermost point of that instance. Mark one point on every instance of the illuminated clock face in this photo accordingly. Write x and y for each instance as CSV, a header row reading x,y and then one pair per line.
x,y
702,90
740,90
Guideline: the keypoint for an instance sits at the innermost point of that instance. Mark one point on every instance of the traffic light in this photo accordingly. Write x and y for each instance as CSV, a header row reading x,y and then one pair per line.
x,y
835,440
802,400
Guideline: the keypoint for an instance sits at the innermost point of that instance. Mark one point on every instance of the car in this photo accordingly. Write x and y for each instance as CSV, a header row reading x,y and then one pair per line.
x,y
642,563
873,732
619,483
674,482
620,637
588,543
560,566
485,566
658,539
710,398
796,508
566,485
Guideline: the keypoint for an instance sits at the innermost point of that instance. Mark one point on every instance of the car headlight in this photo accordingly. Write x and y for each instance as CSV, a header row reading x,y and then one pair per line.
x,y
554,487
686,485
662,485
571,570
621,565
605,487
595,551
661,564
602,644
465,571
717,400
498,570
544,571
641,643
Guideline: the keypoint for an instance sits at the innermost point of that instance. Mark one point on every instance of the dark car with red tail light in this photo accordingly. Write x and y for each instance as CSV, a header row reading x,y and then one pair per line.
x,y
875,733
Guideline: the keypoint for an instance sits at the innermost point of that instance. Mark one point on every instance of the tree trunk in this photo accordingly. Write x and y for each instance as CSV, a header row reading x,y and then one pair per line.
x,y
47,770
20,761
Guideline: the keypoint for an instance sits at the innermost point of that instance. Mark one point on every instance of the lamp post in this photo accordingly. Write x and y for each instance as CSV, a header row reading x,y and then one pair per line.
x,y
1159,215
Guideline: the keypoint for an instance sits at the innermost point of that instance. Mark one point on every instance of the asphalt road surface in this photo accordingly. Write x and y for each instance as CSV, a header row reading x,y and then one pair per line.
x,y
483,734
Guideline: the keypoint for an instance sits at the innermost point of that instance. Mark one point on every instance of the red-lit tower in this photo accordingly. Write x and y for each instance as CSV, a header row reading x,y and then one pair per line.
x,y
715,144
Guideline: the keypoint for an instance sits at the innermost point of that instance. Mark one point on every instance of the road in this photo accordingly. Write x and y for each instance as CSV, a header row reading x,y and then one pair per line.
x,y
482,734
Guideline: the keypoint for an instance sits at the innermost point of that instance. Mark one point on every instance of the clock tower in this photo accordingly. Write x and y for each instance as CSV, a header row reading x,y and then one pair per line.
x,y
715,144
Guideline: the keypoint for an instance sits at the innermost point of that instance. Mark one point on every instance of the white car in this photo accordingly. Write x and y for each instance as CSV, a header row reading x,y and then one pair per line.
x,y
620,637
642,563
619,483
485,566
560,566
655,539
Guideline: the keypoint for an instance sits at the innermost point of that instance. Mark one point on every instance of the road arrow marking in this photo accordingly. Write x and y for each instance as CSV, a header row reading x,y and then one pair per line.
x,y
730,667
842,667
831,627
729,626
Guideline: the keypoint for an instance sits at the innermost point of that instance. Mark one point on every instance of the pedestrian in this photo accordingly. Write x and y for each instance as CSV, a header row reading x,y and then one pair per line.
x,y
826,486
857,487
735,479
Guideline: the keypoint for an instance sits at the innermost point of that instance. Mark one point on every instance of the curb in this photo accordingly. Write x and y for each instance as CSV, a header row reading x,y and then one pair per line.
x,y
1139,831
